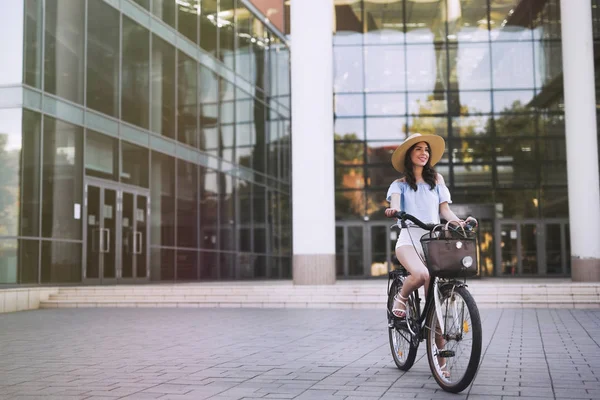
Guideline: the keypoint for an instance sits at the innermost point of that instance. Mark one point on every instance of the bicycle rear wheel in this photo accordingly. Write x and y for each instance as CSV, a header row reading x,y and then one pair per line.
x,y
459,348
402,343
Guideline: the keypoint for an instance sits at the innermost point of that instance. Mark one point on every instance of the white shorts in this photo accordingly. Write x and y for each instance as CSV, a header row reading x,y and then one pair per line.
x,y
415,233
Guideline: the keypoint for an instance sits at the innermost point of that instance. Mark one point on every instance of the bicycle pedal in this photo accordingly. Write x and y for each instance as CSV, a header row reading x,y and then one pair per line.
x,y
446,353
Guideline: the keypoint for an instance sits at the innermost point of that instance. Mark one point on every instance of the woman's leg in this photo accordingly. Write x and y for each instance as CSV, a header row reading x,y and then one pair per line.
x,y
419,275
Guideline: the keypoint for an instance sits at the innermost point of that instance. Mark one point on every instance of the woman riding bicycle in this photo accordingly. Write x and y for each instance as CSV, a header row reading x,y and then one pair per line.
x,y
423,193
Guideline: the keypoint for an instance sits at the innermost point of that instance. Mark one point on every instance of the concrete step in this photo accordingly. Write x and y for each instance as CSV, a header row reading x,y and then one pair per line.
x,y
488,293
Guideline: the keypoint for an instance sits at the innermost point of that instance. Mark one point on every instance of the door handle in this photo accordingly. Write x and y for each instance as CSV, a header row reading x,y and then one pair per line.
x,y
107,250
138,249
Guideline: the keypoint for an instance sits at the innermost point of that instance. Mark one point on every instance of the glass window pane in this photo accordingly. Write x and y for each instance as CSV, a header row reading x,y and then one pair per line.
x,y
259,221
187,100
553,125
209,110
9,261
518,175
33,43
63,51
386,129
209,265
385,22
517,203
381,152
349,204
62,179
515,101
208,26
428,125
515,125
349,105
163,264
227,32
61,262
555,202
423,73
348,23
134,164
30,179
227,212
187,22
101,156
470,102
349,177
473,23
548,59
348,72
349,153
513,65
209,208
163,87
510,149
163,200
349,129
427,103
424,21
511,23
187,265
384,69
28,261
165,10
187,205
470,66
471,126
244,58
380,177
135,91
103,58
386,104
472,175
467,151
554,173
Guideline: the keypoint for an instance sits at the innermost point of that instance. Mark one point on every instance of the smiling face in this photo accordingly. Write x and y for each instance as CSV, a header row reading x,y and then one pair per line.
x,y
419,154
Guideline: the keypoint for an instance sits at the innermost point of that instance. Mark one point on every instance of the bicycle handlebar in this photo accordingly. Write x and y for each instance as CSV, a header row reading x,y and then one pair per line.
x,y
403,216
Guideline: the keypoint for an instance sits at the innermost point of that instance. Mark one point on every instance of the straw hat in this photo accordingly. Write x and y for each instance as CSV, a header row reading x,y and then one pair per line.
x,y
436,146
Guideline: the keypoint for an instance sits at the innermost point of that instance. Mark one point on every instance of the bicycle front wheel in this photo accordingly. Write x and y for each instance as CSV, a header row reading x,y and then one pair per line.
x,y
454,339
402,343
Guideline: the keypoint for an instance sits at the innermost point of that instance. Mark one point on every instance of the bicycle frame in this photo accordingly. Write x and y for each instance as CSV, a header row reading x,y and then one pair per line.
x,y
433,300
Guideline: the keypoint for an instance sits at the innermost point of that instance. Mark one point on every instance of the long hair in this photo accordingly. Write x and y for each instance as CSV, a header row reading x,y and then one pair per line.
x,y
429,174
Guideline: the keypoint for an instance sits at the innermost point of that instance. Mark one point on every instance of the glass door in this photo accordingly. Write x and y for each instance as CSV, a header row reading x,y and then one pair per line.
x,y
134,235
117,233
101,225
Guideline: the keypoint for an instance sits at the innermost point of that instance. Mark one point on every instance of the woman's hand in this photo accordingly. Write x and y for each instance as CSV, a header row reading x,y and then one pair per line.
x,y
390,212
472,219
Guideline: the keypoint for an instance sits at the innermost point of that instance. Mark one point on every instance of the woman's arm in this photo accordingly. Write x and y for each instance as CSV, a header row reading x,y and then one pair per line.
x,y
448,214
394,205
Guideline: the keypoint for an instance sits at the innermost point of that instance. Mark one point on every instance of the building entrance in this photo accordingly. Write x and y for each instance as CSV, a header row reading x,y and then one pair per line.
x,y
117,233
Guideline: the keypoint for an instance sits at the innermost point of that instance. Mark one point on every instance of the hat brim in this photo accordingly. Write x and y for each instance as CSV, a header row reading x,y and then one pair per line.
x,y
437,144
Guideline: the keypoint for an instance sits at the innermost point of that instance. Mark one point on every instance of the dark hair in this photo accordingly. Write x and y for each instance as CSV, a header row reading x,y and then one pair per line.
x,y
429,174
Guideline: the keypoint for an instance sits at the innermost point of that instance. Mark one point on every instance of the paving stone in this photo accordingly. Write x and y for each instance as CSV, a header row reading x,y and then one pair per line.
x,y
279,354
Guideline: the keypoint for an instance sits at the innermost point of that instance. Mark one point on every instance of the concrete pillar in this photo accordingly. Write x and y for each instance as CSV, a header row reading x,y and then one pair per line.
x,y
581,139
313,201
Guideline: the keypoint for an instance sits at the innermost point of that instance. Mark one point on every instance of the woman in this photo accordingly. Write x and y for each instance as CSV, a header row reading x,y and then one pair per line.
x,y
422,193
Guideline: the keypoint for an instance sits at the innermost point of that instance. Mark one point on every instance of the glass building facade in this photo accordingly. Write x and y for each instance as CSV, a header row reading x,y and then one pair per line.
x,y
487,76
150,141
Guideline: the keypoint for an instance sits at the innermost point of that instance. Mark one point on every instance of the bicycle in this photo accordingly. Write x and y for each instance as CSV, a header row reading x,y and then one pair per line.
x,y
449,320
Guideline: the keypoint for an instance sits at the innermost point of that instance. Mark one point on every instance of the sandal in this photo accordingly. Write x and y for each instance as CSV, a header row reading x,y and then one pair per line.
x,y
400,312
444,371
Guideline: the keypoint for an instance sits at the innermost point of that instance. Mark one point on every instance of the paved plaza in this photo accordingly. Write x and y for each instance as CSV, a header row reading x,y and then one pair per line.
x,y
281,354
